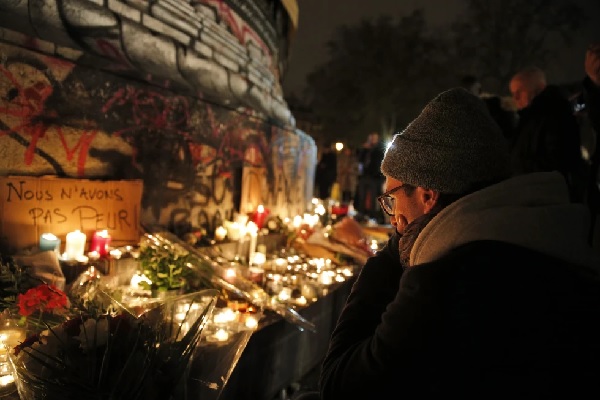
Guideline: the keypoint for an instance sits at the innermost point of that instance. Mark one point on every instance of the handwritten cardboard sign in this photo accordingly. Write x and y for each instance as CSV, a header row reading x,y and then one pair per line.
x,y
30,206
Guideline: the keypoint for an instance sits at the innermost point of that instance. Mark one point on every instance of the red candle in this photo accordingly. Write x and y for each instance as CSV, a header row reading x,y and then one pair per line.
x,y
100,242
260,215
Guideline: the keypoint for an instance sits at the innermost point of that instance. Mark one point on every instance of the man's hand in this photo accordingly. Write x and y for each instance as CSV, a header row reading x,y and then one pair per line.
x,y
592,63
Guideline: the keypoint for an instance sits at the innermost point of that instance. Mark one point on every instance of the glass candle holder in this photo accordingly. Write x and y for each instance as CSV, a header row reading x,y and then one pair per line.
x,y
11,334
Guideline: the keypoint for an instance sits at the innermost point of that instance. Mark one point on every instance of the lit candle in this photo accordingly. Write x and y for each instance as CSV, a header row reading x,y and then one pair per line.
x,y
256,274
233,230
49,241
251,322
280,264
220,233
260,215
301,301
325,278
259,259
230,275
75,245
285,294
297,222
10,336
137,279
100,242
116,253
221,335
252,229
224,316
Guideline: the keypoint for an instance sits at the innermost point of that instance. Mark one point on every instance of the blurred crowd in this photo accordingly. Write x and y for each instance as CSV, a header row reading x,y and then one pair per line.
x,y
547,127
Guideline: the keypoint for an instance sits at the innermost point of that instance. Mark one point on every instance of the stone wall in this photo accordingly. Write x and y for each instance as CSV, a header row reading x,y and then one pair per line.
x,y
184,95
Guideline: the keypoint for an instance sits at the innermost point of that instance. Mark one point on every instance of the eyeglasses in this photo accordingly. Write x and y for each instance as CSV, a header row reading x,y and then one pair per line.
x,y
387,202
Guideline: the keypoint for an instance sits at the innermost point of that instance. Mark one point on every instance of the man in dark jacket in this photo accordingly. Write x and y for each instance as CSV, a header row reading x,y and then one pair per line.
x,y
488,289
370,179
591,90
547,136
326,173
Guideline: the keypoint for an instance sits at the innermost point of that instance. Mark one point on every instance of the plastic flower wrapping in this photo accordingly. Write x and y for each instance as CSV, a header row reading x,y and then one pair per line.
x,y
104,351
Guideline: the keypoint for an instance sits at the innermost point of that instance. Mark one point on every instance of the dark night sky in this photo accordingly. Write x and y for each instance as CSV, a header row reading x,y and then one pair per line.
x,y
319,17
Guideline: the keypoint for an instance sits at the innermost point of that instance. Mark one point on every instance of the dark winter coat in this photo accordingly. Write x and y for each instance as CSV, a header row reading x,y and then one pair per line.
x,y
548,139
502,300
327,168
592,100
371,159
592,110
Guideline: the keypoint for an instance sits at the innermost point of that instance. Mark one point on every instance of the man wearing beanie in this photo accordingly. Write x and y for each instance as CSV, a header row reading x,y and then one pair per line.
x,y
487,289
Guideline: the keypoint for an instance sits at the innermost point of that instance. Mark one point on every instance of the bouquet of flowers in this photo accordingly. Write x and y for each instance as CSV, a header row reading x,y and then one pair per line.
x,y
101,350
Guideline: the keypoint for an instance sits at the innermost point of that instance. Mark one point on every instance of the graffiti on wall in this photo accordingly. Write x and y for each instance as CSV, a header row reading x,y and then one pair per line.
x,y
59,118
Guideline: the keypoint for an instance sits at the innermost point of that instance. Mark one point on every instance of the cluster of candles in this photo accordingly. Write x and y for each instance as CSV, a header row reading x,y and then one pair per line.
x,y
293,279
238,316
75,246
224,321
242,225
249,227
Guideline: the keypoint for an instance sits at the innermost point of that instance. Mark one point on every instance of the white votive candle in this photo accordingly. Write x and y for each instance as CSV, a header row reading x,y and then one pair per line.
x,y
220,233
75,245
221,335
251,322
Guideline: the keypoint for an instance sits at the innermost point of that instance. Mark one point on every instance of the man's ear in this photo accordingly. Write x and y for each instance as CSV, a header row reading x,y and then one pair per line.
x,y
429,199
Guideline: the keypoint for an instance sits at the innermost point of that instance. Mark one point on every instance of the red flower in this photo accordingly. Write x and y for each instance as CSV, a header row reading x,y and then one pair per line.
x,y
44,298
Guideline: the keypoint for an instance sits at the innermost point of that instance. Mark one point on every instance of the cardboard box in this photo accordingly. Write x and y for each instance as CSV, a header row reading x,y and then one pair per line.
x,y
30,206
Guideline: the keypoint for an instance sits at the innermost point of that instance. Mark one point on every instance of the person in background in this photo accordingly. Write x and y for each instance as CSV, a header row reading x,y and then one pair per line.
x,y
471,84
591,83
370,179
591,101
547,137
326,172
487,289
347,173
499,108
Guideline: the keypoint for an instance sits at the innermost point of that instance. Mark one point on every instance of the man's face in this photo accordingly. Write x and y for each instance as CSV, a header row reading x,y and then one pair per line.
x,y
520,93
408,207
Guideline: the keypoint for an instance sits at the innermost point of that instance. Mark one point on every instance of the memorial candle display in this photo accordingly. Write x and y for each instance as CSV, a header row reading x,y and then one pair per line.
x,y
49,241
75,245
100,242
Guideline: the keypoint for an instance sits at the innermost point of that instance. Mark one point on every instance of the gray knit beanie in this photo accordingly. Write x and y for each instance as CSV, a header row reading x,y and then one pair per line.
x,y
452,146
